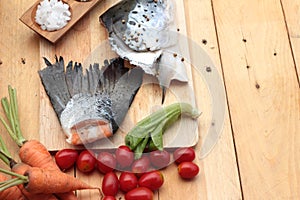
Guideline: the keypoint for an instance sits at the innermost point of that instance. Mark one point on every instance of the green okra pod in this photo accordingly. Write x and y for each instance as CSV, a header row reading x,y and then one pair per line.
x,y
155,124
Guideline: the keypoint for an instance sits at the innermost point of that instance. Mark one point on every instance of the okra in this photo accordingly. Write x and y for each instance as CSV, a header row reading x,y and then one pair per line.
x,y
151,129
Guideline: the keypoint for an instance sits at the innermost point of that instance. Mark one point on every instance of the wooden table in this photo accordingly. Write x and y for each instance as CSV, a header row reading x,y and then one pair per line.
x,y
255,44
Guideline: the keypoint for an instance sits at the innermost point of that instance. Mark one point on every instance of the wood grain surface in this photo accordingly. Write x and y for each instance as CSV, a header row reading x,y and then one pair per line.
x,y
263,96
254,45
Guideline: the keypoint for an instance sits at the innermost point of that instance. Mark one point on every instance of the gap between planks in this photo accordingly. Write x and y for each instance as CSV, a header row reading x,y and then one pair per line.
x,y
290,42
228,108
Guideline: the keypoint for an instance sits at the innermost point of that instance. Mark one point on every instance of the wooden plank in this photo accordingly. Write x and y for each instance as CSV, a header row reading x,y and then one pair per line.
x,y
68,48
263,95
218,178
94,179
50,129
96,36
220,171
292,13
179,92
17,68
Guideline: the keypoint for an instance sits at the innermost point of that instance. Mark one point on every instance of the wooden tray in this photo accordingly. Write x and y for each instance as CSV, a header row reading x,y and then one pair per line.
x,y
78,10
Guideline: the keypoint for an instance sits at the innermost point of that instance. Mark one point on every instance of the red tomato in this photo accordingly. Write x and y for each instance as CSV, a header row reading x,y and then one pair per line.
x,y
184,154
106,162
110,184
160,159
124,156
128,181
109,198
86,162
140,165
188,170
140,193
66,158
152,180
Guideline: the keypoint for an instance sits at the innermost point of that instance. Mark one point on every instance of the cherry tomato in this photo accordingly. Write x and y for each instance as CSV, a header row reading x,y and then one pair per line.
x,y
139,193
152,180
160,159
86,162
110,184
140,165
188,170
109,198
66,158
128,181
124,156
106,162
184,154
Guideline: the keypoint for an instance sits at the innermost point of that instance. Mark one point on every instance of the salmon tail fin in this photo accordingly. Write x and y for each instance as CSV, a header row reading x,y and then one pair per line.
x,y
114,80
125,89
54,82
62,83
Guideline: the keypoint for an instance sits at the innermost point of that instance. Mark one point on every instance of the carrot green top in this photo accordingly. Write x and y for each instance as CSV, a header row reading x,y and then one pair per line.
x,y
10,108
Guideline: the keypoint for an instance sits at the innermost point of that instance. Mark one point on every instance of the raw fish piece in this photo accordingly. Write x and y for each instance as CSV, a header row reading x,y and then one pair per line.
x,y
144,32
90,105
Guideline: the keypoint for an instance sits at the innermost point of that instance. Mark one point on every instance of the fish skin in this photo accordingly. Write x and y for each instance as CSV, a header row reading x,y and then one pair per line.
x,y
90,102
141,23
147,50
58,87
145,33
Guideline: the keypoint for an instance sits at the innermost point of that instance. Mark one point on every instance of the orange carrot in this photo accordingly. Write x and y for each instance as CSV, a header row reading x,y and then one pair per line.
x,y
35,154
12,193
52,181
21,168
41,181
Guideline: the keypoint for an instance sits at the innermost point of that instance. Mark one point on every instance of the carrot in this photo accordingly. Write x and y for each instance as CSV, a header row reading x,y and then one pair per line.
x,y
12,193
51,181
42,181
21,168
31,152
35,154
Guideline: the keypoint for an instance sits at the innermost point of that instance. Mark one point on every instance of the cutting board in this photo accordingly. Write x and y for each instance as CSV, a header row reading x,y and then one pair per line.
x,y
183,133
